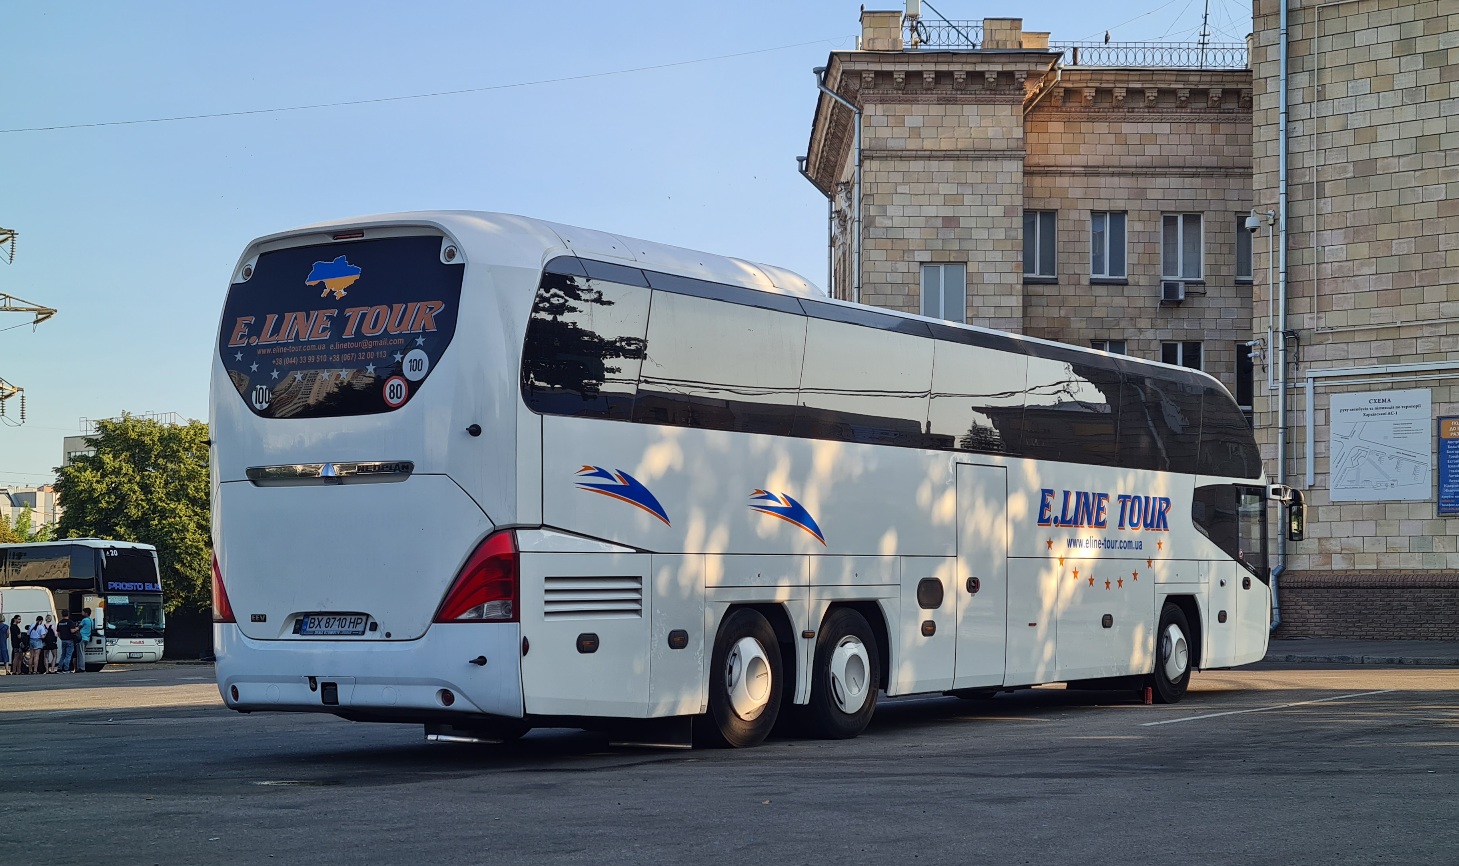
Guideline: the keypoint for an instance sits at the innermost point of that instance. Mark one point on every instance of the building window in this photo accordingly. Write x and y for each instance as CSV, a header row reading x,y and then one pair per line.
x,y
1243,250
1038,243
1116,347
1245,381
1107,245
1180,246
944,292
1181,354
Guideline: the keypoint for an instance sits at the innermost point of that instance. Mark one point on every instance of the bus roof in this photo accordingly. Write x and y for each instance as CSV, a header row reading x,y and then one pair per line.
x,y
483,228
83,542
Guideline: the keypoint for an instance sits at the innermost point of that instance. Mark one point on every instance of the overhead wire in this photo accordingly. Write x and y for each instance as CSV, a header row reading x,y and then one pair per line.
x,y
432,95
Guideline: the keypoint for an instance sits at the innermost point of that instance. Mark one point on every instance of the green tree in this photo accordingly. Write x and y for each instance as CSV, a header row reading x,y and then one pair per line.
x,y
146,482
23,528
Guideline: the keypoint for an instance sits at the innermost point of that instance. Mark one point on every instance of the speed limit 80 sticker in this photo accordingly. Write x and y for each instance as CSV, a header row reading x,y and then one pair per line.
x,y
396,391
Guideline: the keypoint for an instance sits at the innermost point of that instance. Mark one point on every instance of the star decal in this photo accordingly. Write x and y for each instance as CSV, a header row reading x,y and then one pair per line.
x,y
341,375
1076,574
1135,575
1050,543
370,369
1106,584
1120,582
1061,560
253,368
1149,563
1091,581
238,356
420,341
298,377
398,356
276,375
1159,545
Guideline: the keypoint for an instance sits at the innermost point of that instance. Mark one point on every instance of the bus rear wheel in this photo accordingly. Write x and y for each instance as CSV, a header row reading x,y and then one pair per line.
x,y
845,680
745,683
1172,672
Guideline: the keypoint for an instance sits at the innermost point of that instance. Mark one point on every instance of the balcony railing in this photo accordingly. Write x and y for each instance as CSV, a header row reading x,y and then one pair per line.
x,y
1166,55
942,34
924,35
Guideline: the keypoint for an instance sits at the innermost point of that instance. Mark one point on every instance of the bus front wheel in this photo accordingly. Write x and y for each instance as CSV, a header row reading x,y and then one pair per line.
x,y
846,678
1172,672
745,682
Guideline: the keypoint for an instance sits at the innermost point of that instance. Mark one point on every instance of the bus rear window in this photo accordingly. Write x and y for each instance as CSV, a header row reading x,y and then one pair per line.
x,y
340,329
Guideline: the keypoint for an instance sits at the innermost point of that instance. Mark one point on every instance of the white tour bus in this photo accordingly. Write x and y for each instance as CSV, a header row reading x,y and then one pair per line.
x,y
482,472
118,580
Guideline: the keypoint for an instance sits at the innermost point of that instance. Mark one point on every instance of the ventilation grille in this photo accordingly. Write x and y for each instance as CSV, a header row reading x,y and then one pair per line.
x,y
593,597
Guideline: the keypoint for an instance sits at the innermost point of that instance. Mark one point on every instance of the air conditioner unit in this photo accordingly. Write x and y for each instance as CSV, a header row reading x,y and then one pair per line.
x,y
1172,291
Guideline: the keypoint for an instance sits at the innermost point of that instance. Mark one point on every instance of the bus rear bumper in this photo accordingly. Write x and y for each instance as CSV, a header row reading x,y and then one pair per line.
x,y
455,670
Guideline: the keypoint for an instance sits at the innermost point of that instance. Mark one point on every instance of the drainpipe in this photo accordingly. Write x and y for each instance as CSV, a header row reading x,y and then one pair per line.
x,y
820,72
830,226
1281,347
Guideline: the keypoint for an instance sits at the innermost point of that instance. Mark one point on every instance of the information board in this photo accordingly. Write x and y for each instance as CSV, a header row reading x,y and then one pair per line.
x,y
1449,465
1381,446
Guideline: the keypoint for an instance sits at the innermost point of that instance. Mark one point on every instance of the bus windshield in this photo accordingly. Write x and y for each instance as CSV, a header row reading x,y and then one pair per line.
x,y
134,615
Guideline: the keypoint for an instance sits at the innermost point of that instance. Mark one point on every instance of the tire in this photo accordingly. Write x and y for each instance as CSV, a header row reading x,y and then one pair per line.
x,y
745,683
1172,672
845,679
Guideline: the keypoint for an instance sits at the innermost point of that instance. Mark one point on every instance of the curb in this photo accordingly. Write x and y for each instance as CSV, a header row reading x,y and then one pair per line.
x,y
1406,661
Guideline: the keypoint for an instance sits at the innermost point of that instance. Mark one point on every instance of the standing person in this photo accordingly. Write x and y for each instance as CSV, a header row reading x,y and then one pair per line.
x,y
50,647
66,633
4,645
37,639
18,644
83,637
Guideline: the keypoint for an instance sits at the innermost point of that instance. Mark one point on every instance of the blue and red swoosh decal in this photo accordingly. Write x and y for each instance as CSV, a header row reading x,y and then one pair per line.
x,y
622,486
787,509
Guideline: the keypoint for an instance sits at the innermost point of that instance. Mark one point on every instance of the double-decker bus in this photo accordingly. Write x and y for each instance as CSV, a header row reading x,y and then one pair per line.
x,y
484,473
118,580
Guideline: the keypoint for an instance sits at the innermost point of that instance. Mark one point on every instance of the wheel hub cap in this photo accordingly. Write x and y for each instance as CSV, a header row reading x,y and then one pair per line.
x,y
1174,653
747,678
850,674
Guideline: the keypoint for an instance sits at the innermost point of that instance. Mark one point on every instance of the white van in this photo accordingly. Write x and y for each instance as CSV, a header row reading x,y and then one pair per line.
x,y
27,602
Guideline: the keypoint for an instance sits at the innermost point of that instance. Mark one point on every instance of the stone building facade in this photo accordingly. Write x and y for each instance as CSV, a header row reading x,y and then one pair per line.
x,y
1064,197
1372,285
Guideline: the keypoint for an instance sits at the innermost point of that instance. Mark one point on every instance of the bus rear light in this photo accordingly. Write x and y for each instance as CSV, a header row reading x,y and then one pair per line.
x,y
222,609
486,588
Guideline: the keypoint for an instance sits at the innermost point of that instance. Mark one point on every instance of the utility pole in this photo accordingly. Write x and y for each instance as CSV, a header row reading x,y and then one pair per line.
x,y
12,304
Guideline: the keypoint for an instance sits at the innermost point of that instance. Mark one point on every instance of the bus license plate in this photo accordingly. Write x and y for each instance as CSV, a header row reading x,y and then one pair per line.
x,y
333,624
134,655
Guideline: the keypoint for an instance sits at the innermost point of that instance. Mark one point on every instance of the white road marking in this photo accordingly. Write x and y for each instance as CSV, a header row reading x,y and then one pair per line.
x,y
1264,709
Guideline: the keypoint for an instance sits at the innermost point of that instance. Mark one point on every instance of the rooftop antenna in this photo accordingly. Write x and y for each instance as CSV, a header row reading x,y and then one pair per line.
x,y
956,29
1205,32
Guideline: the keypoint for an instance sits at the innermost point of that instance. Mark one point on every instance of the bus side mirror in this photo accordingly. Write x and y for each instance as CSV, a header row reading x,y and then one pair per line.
x,y
1296,520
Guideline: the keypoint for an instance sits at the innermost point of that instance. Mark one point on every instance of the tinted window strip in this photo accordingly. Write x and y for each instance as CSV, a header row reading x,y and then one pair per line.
x,y
741,295
612,273
865,318
1219,452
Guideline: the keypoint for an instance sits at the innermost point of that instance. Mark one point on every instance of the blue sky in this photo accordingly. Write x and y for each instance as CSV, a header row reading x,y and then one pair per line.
x,y
131,230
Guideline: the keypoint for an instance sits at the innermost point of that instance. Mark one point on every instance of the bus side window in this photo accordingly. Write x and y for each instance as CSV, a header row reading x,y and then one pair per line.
x,y
864,384
977,399
1160,423
1213,511
1226,444
584,346
720,366
1068,413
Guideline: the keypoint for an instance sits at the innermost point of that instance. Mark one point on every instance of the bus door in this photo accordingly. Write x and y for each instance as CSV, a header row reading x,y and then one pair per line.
x,y
981,584
96,647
